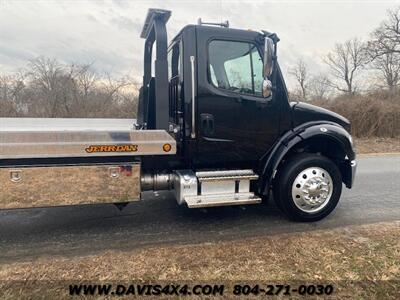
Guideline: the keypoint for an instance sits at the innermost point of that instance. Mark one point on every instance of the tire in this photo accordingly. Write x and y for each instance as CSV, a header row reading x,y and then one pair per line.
x,y
308,187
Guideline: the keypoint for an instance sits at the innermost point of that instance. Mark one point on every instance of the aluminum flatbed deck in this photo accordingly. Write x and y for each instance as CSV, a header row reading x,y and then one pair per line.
x,y
46,138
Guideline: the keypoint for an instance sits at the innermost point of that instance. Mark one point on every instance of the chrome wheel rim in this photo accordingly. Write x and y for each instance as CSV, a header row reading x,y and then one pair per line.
x,y
312,189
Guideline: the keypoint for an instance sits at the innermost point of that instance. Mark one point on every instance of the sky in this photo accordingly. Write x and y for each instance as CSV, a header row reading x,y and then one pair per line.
x,y
106,32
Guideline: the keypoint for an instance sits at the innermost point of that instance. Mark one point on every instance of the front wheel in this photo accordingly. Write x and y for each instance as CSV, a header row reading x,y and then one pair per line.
x,y
308,187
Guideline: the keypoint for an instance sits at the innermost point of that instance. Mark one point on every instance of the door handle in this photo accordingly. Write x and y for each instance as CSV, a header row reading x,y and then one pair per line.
x,y
207,124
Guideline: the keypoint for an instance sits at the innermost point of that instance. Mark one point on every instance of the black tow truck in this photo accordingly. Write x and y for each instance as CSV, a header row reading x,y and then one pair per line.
x,y
214,125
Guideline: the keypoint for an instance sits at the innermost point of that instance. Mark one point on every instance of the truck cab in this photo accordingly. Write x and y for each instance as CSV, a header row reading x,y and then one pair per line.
x,y
229,109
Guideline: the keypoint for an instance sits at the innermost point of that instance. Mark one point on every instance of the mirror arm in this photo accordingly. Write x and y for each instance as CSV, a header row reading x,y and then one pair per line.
x,y
273,36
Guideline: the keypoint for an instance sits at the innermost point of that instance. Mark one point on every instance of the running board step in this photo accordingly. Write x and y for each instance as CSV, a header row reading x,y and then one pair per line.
x,y
215,188
221,200
206,176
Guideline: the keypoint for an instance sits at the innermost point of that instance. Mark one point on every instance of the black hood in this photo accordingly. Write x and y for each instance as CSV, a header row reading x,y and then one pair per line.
x,y
304,112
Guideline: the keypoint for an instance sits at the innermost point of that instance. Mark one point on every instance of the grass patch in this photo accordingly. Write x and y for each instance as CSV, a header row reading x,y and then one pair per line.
x,y
377,145
361,261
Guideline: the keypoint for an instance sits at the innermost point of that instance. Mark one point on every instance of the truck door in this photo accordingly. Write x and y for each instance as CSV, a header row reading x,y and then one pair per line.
x,y
235,123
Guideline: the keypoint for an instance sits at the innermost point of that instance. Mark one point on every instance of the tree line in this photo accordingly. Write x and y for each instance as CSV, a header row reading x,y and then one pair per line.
x,y
348,61
46,88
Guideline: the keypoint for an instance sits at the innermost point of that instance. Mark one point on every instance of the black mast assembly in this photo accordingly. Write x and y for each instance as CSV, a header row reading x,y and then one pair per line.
x,y
153,108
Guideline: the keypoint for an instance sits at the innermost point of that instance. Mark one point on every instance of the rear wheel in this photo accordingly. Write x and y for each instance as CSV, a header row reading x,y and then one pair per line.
x,y
308,187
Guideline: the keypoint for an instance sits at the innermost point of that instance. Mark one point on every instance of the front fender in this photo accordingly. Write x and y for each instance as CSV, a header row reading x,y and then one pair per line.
x,y
325,130
331,131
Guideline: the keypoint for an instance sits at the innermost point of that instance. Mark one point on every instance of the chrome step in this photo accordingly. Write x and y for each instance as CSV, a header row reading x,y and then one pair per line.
x,y
221,200
215,188
204,176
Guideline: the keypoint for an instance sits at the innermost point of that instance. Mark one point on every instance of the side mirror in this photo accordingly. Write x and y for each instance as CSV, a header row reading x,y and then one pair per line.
x,y
268,66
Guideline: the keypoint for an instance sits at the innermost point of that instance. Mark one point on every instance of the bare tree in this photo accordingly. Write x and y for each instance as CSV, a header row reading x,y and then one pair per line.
x,y
7,105
84,76
11,91
48,82
319,87
300,73
386,38
388,65
384,49
345,62
48,88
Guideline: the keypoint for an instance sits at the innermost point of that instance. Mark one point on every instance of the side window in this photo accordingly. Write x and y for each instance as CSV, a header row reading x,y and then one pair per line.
x,y
236,66
174,71
213,77
169,64
173,61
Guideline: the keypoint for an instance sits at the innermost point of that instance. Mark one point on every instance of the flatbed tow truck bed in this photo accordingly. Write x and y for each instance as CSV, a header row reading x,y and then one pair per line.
x,y
45,138
37,184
